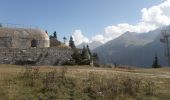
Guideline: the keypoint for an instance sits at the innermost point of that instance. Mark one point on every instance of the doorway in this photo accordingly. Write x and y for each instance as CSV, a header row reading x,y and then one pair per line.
x,y
34,43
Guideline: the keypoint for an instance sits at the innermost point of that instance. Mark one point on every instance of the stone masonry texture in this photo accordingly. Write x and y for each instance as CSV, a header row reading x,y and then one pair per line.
x,y
39,56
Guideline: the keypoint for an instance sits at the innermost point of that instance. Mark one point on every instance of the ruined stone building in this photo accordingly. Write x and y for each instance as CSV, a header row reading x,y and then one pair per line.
x,y
23,38
32,46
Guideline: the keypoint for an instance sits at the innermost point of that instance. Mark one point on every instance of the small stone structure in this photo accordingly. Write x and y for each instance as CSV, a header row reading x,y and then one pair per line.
x,y
23,38
36,56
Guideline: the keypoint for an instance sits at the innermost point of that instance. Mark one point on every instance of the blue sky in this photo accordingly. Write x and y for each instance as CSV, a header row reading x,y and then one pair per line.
x,y
66,16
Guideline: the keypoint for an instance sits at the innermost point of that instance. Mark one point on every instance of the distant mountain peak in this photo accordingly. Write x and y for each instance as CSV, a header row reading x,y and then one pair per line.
x,y
132,48
92,45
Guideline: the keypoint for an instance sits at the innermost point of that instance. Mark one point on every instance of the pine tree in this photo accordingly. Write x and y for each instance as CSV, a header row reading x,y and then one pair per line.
x,y
89,50
76,56
64,39
83,51
0,25
156,62
71,43
85,56
55,34
95,57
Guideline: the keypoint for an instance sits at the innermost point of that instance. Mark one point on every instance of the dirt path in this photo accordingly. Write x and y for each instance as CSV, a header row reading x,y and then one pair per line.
x,y
152,75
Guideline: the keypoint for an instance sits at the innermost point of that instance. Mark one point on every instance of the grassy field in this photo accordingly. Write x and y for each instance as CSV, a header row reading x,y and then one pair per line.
x,y
83,83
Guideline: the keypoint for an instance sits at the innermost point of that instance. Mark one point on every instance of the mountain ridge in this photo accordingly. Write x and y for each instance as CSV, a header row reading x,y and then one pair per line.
x,y
91,45
133,49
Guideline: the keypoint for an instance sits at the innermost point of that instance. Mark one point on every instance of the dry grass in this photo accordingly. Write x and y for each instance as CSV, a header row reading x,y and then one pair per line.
x,y
83,82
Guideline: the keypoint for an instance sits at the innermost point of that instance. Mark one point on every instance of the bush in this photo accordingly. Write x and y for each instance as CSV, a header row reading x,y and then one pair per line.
x,y
69,62
57,62
97,65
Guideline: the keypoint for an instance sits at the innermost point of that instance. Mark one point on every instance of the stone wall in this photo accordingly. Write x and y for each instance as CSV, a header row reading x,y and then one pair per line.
x,y
38,56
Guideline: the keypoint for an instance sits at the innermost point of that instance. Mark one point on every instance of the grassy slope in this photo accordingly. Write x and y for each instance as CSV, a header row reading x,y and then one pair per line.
x,y
14,88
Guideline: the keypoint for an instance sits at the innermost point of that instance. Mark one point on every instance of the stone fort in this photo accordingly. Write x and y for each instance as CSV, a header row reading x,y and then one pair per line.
x,y
30,45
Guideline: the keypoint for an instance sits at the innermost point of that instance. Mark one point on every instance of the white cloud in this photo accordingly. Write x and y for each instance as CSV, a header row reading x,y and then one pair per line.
x,y
98,38
152,18
157,15
79,37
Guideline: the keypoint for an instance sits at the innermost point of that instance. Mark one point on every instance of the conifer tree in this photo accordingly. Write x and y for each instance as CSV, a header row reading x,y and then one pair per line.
x,y
89,51
83,52
64,39
0,25
55,34
85,56
95,57
71,43
156,62
76,56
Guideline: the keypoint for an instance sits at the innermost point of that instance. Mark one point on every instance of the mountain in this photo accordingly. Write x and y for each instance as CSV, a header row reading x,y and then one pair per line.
x,y
92,45
133,49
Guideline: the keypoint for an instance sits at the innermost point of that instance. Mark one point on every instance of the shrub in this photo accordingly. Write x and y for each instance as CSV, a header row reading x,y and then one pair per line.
x,y
69,62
